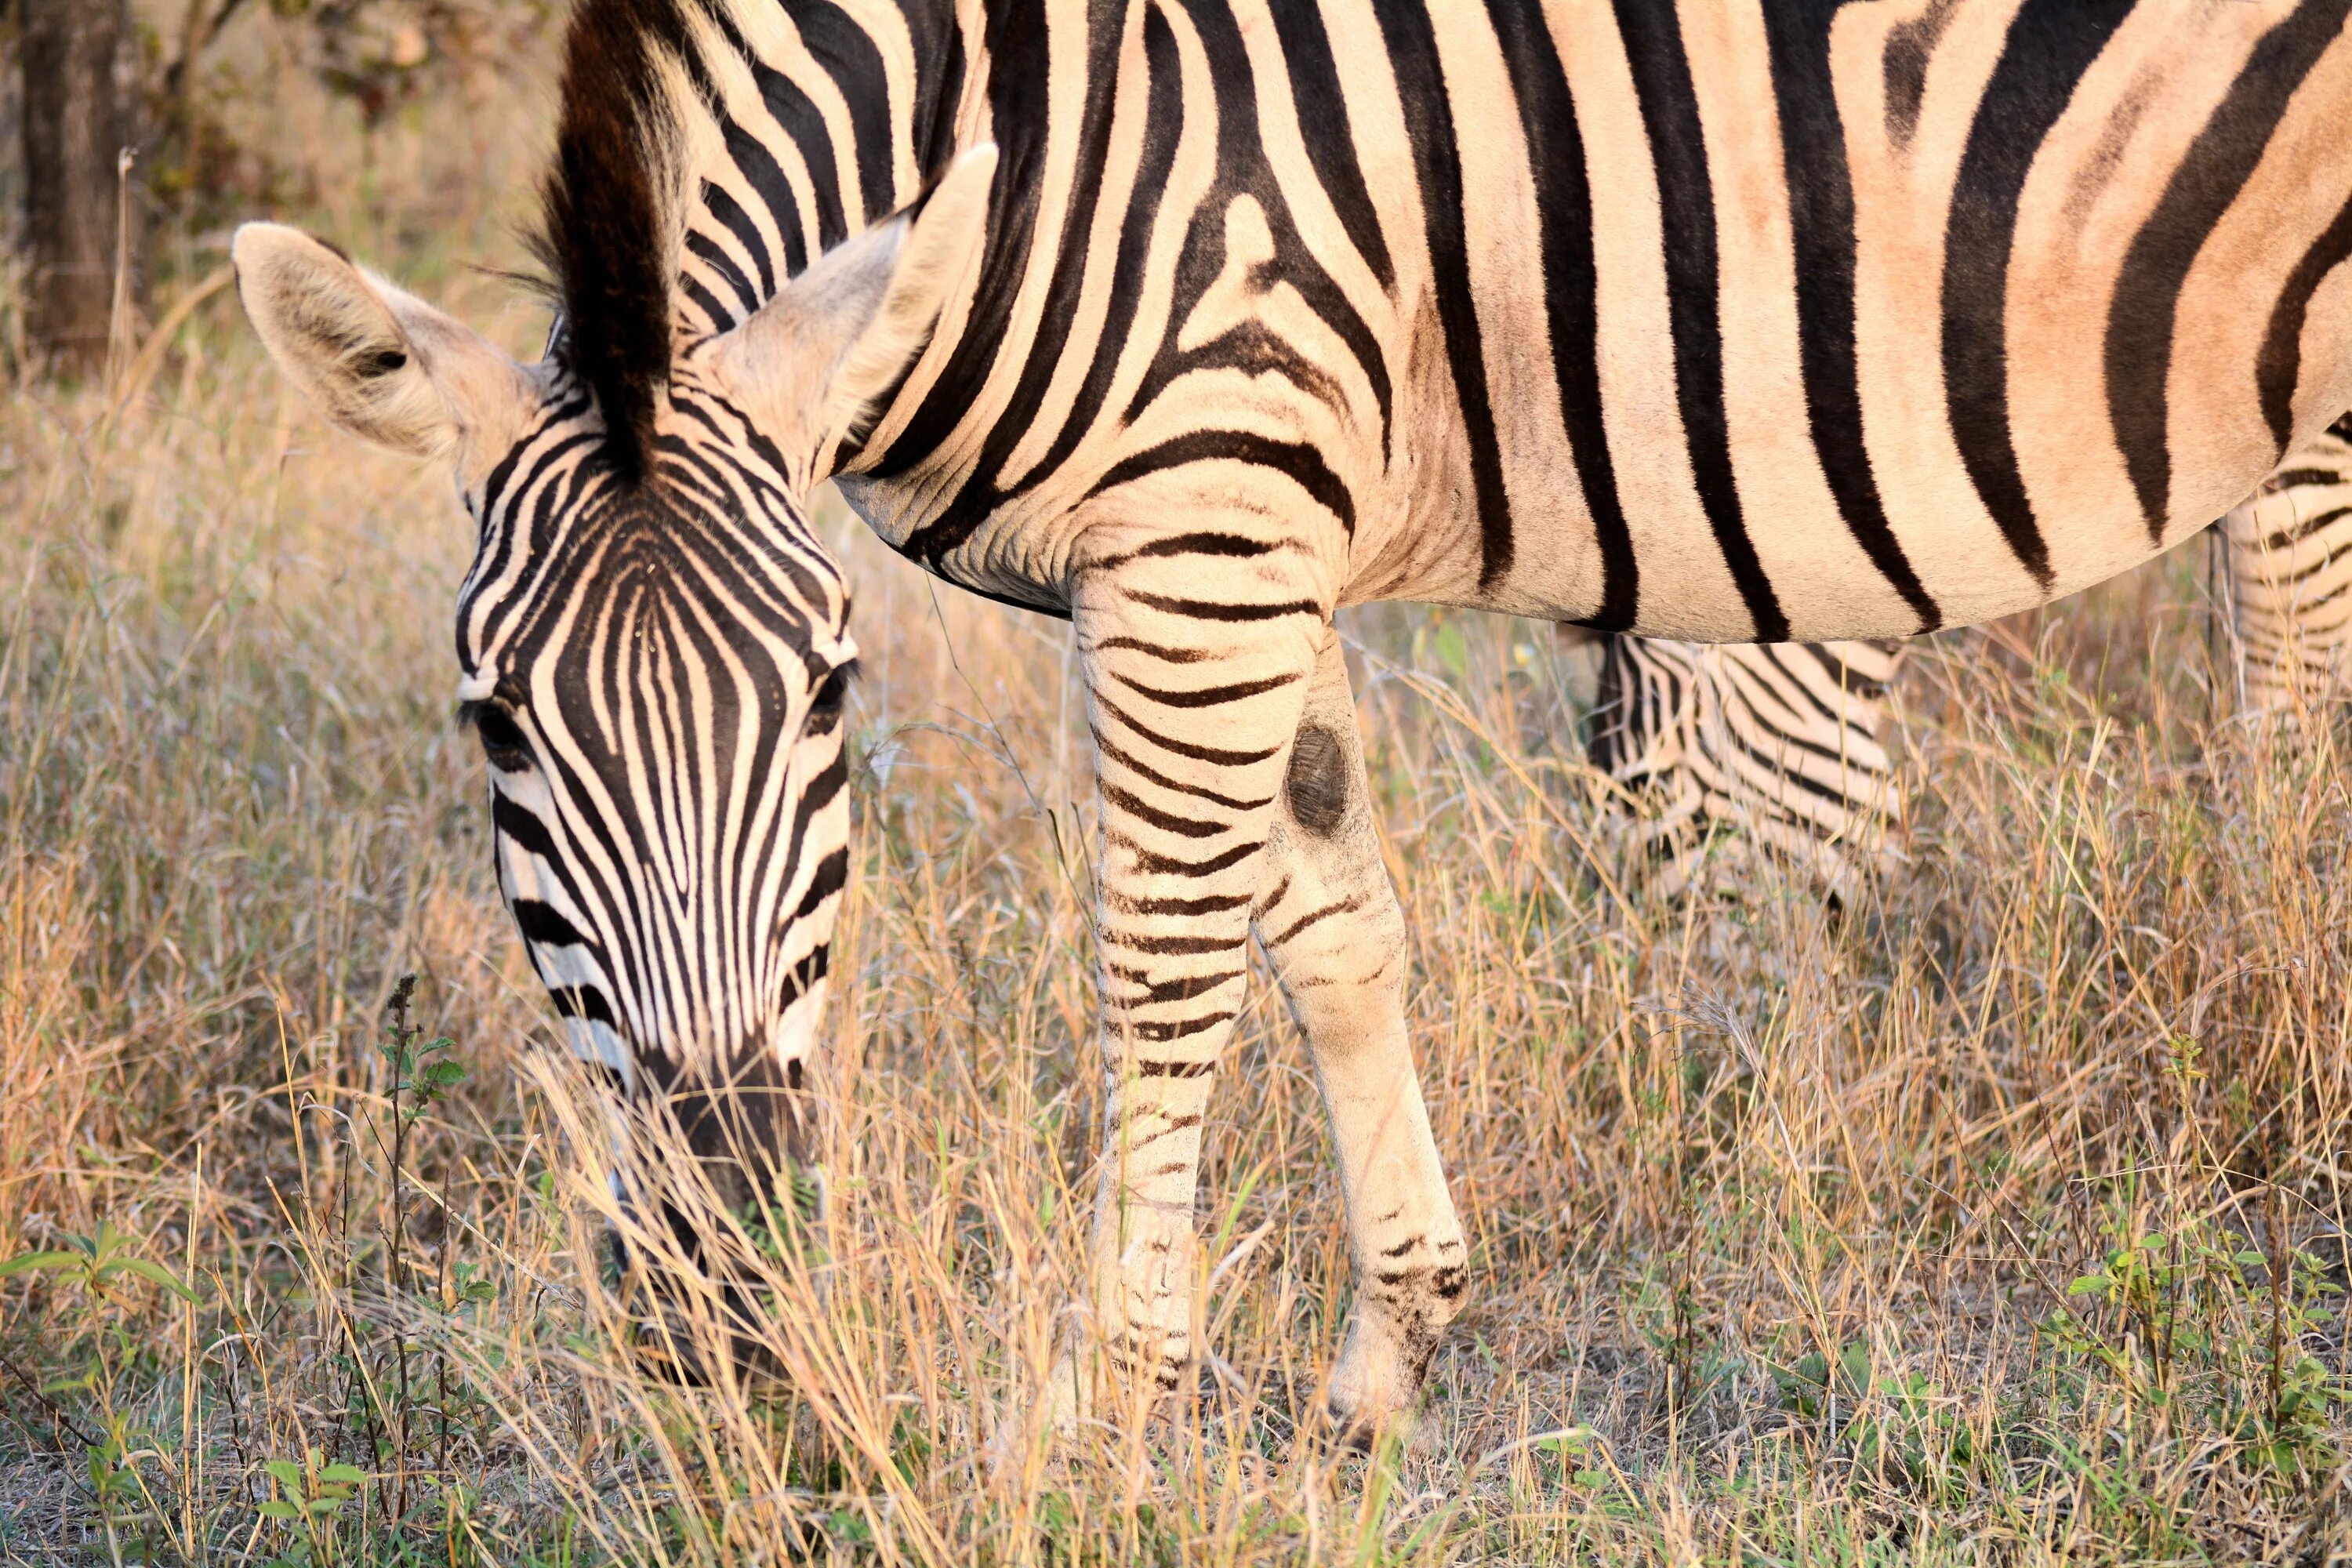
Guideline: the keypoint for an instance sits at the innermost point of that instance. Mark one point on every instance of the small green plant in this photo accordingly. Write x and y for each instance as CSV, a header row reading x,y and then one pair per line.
x,y
1813,1384
124,1502
1577,1451
2202,1330
422,1075
2142,1283
418,1083
98,1263
310,1493
1892,1421
103,1347
1667,1314
100,1268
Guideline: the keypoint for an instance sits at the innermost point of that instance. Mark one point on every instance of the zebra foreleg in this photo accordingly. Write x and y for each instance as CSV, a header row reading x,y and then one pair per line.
x,y
1329,923
1193,702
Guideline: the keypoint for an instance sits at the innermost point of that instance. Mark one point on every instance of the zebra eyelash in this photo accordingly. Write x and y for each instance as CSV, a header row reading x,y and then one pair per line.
x,y
833,690
831,695
503,742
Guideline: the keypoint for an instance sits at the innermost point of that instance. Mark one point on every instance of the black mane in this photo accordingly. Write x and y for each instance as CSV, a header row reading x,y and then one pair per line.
x,y
608,213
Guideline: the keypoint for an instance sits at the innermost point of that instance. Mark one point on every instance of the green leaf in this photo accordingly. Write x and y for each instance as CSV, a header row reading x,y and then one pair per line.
x,y
23,1261
2088,1284
441,1075
285,1472
156,1274
278,1508
342,1474
1452,650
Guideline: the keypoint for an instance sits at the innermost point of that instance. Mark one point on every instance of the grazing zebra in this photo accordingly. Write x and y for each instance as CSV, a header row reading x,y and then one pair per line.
x,y
1194,319
1780,744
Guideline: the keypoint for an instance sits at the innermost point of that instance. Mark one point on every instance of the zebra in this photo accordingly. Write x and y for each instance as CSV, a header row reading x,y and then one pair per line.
x,y
2289,580
1728,747
1194,320
1782,746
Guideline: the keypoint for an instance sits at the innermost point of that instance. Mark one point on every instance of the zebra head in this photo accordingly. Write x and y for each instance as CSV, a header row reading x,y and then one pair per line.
x,y
653,644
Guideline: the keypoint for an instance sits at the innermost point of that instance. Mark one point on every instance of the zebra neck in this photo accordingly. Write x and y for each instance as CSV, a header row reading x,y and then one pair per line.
x,y
809,121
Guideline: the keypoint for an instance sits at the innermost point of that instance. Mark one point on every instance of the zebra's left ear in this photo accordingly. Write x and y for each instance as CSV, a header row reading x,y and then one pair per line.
x,y
839,335
374,360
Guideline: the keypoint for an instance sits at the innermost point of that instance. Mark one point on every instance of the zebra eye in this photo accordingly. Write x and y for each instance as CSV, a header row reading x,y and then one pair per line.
x,y
824,708
503,742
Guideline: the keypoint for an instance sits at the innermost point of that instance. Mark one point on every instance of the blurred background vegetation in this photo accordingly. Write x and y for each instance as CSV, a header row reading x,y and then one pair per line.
x,y
144,130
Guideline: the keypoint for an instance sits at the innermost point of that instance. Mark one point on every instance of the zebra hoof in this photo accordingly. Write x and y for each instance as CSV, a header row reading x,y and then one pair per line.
x,y
1343,1433
1377,1385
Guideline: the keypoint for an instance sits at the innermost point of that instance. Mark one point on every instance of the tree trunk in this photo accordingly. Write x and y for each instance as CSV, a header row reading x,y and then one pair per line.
x,y
78,112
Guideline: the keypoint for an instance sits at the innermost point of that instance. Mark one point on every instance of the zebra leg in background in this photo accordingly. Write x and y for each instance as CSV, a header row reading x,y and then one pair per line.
x,y
1330,925
2291,577
1193,702
1778,742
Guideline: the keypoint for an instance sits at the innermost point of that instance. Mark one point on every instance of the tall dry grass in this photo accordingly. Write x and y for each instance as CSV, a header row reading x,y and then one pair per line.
x,y
1962,1224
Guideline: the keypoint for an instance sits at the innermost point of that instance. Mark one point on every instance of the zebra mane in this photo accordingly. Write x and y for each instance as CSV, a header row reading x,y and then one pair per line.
x,y
612,216
660,98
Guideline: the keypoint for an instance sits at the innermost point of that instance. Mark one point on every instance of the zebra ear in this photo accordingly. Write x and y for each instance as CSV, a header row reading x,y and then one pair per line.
x,y
812,360
380,363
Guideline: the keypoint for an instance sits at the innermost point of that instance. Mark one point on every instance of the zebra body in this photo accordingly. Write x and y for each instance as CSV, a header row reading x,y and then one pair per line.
x,y
1195,319
1784,745
1496,391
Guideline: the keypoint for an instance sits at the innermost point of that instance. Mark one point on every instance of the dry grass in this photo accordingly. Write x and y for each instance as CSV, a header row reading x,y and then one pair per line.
x,y
1949,1229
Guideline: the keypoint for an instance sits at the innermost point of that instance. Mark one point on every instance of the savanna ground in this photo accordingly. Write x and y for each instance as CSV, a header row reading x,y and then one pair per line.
x,y
2001,1217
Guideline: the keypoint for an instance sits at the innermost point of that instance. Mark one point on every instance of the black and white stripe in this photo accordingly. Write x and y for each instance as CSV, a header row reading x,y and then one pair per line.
x,y
666,753
2290,549
1731,747
1734,747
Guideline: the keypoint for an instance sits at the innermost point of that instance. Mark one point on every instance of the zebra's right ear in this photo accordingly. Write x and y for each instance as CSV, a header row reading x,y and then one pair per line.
x,y
377,360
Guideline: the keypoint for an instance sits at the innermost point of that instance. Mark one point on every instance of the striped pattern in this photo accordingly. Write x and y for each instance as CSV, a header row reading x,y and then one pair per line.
x,y
2291,579
1720,321
666,757
1735,747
